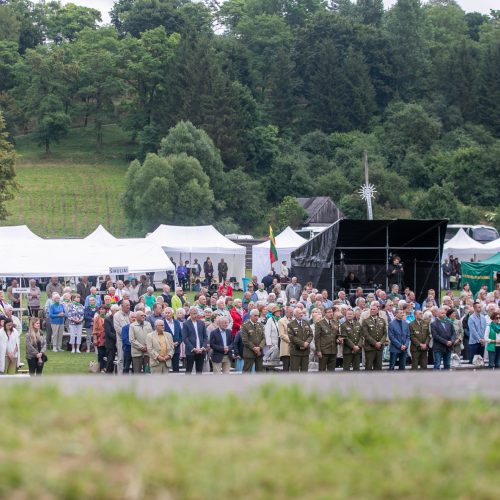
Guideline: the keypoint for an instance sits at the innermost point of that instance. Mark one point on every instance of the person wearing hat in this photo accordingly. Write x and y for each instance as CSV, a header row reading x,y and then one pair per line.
x,y
327,338
254,340
271,332
301,336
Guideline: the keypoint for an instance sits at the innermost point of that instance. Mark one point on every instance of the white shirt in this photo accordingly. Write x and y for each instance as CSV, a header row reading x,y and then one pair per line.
x,y
195,326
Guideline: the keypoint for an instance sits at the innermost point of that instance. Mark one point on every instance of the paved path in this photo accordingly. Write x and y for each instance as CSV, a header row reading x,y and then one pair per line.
x,y
374,386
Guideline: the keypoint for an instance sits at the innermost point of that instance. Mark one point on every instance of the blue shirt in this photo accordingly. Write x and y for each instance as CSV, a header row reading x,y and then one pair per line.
x,y
54,310
477,328
125,337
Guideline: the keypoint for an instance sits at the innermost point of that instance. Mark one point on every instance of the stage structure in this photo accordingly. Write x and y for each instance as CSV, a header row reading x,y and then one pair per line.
x,y
366,247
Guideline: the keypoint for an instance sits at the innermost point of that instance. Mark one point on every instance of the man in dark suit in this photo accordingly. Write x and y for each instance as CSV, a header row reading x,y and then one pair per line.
x,y
194,335
221,343
174,327
443,336
110,339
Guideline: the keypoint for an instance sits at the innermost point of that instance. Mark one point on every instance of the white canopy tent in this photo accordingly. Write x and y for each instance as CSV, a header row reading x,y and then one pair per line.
x,y
286,242
200,242
80,257
463,247
16,233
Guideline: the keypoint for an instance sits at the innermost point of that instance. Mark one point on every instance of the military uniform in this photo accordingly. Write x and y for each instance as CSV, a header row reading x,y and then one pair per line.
x,y
298,334
350,331
374,330
420,333
252,335
325,339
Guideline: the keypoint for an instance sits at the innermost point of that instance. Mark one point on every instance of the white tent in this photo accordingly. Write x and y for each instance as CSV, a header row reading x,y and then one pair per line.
x,y
14,233
286,242
463,247
100,235
200,242
23,257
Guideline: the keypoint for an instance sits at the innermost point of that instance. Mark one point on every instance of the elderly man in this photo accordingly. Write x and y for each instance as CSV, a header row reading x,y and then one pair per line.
x,y
110,338
83,289
54,287
420,337
173,327
443,339
293,290
156,314
254,340
399,336
93,294
221,343
301,336
374,330
138,333
327,335
178,299
160,345
126,347
352,337
223,311
120,319
194,335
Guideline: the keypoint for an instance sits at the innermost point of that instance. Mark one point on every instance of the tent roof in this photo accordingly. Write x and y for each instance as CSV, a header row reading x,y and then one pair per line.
x,y
100,234
17,232
194,239
492,245
288,238
495,260
462,241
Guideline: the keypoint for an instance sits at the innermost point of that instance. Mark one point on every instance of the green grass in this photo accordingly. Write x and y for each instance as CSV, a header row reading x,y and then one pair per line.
x,y
275,443
75,188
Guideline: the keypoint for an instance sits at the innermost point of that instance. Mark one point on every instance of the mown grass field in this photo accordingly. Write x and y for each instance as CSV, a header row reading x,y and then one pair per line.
x,y
75,188
275,443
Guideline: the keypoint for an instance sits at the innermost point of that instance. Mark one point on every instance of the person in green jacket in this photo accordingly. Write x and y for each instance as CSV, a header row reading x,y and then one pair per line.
x,y
493,341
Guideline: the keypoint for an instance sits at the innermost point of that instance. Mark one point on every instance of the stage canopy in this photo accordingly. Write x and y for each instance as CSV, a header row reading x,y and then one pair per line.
x,y
465,248
286,242
367,247
481,273
15,233
199,242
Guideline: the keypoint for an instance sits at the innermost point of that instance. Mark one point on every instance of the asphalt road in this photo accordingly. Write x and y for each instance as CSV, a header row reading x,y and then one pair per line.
x,y
373,386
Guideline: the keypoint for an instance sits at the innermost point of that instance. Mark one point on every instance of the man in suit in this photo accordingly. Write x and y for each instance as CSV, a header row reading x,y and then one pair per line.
x,y
110,339
83,289
254,340
327,335
194,335
420,337
160,346
301,336
174,327
443,339
221,343
399,336
374,330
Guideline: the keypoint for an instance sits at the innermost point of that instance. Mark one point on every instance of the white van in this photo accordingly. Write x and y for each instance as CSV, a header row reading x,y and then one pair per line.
x,y
483,234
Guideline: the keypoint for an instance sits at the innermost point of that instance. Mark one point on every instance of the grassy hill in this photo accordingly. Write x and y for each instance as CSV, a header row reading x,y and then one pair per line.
x,y
75,188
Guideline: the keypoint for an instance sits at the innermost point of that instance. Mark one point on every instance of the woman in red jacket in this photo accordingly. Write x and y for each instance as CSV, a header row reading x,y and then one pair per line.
x,y
237,313
225,289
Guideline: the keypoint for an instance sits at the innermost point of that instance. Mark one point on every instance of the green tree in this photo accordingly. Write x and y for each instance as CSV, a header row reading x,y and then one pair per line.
x,y
9,57
53,123
156,193
439,202
8,185
195,142
69,20
287,213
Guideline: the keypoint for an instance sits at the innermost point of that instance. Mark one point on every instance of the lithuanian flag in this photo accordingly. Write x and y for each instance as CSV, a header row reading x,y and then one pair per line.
x,y
273,254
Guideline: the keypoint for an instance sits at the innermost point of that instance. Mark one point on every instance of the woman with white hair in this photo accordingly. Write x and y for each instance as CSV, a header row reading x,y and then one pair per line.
x,y
75,314
57,314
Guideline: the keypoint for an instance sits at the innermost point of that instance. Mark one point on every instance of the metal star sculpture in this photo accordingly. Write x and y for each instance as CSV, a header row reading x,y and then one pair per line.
x,y
367,192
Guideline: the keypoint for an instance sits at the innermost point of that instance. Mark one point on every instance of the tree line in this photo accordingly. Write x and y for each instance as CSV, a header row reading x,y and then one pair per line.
x,y
236,105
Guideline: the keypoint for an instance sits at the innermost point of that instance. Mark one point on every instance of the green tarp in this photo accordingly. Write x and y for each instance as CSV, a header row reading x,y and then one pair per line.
x,y
481,273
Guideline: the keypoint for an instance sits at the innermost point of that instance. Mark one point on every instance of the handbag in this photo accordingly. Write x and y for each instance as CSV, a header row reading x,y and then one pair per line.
x,y
44,358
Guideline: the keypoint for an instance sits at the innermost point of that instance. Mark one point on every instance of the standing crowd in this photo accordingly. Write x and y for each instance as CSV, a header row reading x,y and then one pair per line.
x,y
278,324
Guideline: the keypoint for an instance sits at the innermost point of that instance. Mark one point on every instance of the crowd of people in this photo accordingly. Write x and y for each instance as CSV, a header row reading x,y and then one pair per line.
x,y
278,324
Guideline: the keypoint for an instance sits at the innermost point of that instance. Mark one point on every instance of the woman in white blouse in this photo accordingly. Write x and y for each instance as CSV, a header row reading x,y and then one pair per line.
x,y
9,348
